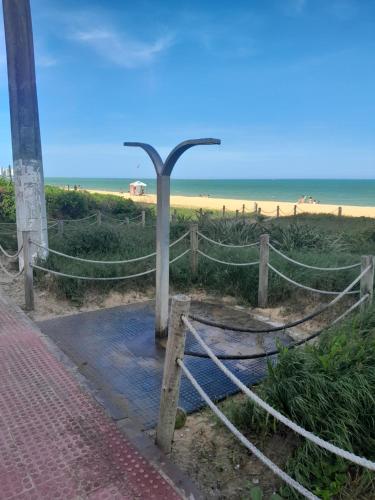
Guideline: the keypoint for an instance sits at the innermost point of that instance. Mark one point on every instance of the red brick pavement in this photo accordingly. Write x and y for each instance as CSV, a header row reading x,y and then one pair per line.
x,y
55,441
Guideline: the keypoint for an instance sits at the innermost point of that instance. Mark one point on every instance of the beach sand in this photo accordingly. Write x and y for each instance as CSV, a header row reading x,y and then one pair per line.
x,y
268,208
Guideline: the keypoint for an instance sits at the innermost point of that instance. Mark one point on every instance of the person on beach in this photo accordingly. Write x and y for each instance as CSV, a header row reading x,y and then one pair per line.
x,y
302,199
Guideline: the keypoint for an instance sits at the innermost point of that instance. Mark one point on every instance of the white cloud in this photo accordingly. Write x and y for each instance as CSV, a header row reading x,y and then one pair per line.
x,y
119,49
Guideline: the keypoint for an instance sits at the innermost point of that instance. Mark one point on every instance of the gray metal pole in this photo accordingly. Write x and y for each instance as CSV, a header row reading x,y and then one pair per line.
x,y
24,117
163,173
162,256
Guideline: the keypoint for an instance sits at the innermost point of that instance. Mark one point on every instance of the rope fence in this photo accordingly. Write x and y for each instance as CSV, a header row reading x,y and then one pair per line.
x,y
341,268
246,245
226,262
363,462
305,287
11,256
250,446
105,278
91,261
175,366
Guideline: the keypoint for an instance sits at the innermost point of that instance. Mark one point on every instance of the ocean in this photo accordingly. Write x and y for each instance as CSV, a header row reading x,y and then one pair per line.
x,y
331,191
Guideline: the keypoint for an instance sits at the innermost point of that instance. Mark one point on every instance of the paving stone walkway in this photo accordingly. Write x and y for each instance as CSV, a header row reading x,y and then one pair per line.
x,y
55,440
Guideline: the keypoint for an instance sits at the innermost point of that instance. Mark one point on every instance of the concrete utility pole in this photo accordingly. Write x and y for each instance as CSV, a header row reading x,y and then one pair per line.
x,y
163,173
24,117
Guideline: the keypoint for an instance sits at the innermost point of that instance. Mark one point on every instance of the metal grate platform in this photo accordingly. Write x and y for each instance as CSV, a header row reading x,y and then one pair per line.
x,y
116,351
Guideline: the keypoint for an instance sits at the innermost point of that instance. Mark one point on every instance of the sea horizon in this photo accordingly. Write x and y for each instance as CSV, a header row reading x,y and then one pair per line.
x,y
358,192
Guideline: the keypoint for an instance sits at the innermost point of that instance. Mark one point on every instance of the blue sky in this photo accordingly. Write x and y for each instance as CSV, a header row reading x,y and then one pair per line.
x,y
288,85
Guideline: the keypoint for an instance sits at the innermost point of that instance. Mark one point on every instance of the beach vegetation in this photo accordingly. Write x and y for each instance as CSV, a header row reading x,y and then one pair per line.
x,y
328,388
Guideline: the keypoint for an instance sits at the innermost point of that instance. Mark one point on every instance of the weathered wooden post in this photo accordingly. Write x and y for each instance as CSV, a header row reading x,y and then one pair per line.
x,y
28,271
259,211
339,213
200,212
99,218
163,173
223,211
174,216
243,209
264,252
127,221
24,118
255,207
60,227
277,211
172,373
143,218
237,213
194,248
367,281
295,210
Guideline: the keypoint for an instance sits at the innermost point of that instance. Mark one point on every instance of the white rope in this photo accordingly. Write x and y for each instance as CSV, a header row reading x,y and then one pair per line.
x,y
74,220
10,256
80,259
179,256
122,221
363,462
90,261
351,266
226,245
11,275
228,263
179,239
305,287
53,225
93,278
253,449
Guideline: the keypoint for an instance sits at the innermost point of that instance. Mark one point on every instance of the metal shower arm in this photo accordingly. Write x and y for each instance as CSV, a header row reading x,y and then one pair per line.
x,y
152,153
175,154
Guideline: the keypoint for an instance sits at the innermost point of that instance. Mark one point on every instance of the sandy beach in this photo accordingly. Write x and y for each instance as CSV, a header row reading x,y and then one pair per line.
x,y
231,205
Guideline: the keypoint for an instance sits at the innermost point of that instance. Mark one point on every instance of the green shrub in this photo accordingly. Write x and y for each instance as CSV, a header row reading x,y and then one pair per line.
x,y
7,203
329,389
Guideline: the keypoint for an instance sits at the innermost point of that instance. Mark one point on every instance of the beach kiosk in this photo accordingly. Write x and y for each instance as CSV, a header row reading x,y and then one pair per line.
x,y
137,188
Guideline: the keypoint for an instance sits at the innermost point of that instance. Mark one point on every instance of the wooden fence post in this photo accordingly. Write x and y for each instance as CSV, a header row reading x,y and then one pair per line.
x,y
143,218
60,227
28,271
295,210
259,211
255,207
174,216
243,209
99,218
172,373
127,221
200,212
194,248
339,212
237,213
264,252
367,281
277,211
223,211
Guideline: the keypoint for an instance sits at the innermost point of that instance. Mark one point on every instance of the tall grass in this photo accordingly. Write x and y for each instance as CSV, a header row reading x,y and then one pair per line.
x,y
114,242
329,389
